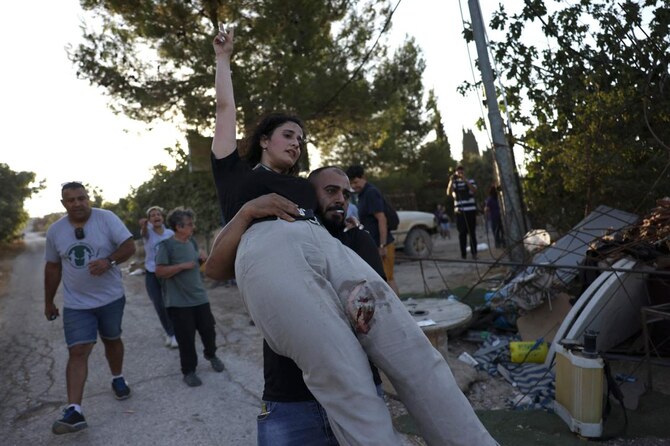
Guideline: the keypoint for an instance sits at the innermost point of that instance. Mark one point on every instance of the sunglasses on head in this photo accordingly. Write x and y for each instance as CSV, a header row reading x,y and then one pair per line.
x,y
79,233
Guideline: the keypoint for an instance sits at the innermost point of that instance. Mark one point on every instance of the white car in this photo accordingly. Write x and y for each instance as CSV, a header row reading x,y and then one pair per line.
x,y
414,232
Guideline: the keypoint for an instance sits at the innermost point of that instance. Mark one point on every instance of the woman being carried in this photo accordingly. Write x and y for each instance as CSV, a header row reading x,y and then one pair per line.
x,y
316,301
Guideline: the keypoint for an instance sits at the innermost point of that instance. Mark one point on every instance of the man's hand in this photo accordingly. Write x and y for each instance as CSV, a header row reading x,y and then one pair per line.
x,y
98,267
51,311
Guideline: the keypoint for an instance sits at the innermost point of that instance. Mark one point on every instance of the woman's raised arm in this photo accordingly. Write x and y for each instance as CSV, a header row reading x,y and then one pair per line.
x,y
224,142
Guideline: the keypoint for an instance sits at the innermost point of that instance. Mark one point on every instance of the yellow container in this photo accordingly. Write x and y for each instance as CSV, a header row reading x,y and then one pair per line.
x,y
521,352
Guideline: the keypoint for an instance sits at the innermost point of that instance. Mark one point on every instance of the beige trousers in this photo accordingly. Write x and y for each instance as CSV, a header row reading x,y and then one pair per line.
x,y
296,280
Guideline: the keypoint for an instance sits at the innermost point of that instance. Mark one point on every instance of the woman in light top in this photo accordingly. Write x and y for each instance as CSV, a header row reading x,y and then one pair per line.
x,y
153,232
316,301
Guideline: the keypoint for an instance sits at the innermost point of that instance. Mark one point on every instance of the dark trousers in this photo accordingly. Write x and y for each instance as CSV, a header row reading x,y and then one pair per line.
x,y
466,223
155,292
498,235
186,320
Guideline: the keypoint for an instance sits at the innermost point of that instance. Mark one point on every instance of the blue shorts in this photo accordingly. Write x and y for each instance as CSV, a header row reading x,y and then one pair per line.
x,y
83,326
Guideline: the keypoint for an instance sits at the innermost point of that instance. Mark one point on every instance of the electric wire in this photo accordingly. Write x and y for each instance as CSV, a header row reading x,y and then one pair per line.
x,y
358,68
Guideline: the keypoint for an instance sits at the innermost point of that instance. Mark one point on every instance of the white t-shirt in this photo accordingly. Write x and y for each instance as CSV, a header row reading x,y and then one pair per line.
x,y
153,239
104,232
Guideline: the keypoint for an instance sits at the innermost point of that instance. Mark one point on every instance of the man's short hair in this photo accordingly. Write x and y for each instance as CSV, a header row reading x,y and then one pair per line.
x,y
355,171
72,185
316,172
177,216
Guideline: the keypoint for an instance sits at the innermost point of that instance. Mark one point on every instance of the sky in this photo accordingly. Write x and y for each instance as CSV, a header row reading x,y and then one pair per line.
x,y
62,128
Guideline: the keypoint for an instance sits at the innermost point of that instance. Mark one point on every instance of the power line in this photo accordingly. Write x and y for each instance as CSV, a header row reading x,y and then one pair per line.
x,y
360,66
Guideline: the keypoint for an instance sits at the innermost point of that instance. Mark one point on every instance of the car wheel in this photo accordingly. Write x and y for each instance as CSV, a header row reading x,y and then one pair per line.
x,y
418,243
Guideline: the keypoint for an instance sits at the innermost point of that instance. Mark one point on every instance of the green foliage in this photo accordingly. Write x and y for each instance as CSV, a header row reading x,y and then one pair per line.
x,y
15,188
41,224
470,146
156,61
389,136
169,189
319,58
595,104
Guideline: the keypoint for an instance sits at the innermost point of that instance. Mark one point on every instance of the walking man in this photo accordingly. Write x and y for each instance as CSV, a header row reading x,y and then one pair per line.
x,y
463,190
84,249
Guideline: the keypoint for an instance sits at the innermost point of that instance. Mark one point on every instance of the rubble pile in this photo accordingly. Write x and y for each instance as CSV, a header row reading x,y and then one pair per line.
x,y
654,228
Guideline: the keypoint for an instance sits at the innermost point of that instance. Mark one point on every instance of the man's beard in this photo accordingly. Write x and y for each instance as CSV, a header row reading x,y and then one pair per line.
x,y
334,224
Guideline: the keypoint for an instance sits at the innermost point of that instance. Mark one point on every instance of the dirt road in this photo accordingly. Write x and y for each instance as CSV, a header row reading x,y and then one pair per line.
x,y
162,409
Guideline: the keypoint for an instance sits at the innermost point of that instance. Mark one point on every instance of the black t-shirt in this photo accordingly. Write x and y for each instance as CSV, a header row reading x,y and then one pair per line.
x,y
370,202
236,183
283,378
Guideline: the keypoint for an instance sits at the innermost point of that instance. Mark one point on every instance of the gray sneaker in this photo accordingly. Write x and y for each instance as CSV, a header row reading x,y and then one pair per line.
x,y
217,364
192,380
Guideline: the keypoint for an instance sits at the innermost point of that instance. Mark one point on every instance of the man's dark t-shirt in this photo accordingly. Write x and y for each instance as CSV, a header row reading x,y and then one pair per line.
x,y
370,202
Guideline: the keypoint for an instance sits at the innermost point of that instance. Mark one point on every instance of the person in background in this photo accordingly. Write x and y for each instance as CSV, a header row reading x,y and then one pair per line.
x,y
493,217
177,262
84,249
372,217
442,221
352,210
463,190
153,232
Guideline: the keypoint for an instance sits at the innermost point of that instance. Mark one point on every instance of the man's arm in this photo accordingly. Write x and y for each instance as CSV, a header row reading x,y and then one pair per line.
x,y
123,252
220,264
52,277
382,223
225,131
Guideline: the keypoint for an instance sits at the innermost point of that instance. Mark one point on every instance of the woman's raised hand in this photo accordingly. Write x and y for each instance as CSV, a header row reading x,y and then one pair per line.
x,y
223,42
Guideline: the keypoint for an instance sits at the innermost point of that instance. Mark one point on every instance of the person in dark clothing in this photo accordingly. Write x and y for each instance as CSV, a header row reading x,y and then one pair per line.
x,y
494,218
463,190
371,208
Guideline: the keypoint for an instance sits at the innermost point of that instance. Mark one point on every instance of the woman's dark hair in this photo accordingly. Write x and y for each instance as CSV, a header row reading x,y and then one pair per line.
x,y
178,215
265,127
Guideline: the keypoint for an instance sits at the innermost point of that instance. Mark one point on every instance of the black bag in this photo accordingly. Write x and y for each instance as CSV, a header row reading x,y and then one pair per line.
x,y
392,220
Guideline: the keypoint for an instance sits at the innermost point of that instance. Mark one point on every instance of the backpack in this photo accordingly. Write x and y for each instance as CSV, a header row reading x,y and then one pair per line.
x,y
392,220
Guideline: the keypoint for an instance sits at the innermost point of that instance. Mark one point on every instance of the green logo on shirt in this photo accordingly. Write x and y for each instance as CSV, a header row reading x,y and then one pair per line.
x,y
80,255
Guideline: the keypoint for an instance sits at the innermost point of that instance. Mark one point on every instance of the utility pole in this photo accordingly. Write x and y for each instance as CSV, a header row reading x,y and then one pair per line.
x,y
512,206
